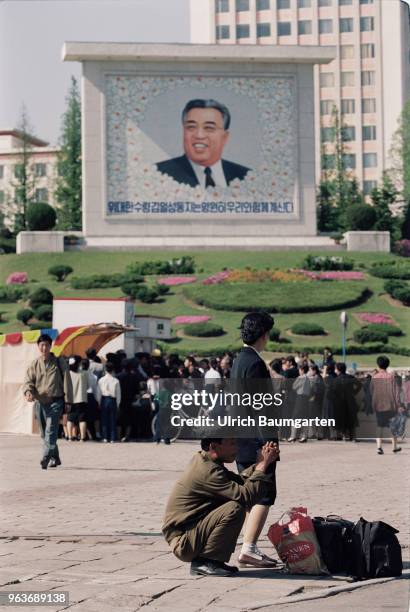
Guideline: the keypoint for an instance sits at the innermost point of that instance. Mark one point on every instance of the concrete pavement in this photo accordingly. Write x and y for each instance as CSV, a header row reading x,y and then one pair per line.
x,y
93,526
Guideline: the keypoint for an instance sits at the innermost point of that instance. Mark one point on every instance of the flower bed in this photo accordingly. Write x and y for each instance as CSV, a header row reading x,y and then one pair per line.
x,y
253,276
333,275
17,278
172,281
375,317
187,319
217,278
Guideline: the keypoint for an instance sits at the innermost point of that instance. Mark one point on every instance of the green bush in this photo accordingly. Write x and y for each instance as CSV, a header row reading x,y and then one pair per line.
x,y
361,217
399,290
308,329
274,334
303,296
365,335
41,296
24,315
161,289
143,293
7,245
399,270
204,330
98,281
40,217
41,325
182,265
356,349
326,264
10,294
385,328
44,312
60,272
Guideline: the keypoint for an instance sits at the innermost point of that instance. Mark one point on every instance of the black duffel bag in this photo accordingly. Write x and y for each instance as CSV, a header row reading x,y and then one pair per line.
x,y
335,540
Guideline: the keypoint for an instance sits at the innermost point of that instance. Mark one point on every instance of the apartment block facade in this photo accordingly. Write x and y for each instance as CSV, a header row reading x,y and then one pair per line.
x,y
368,82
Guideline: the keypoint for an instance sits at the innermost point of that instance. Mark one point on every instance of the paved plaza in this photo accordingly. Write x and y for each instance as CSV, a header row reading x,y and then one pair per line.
x,y
93,527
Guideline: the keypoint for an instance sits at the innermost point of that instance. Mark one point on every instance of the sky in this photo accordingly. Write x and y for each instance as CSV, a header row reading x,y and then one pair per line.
x,y
32,33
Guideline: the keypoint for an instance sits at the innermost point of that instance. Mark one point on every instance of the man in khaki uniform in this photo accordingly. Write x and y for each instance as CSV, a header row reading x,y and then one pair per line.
x,y
207,506
48,382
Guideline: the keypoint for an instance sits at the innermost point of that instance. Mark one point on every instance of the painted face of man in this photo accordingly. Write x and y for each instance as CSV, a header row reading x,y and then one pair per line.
x,y
204,136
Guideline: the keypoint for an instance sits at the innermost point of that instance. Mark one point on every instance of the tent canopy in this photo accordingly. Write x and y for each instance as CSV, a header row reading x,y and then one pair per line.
x,y
76,340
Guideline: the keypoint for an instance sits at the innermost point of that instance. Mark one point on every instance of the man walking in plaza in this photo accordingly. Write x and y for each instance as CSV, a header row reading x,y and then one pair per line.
x,y
207,506
48,382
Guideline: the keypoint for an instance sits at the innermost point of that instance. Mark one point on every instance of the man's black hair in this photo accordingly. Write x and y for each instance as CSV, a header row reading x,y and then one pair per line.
x,y
304,367
109,367
91,353
383,362
208,103
45,338
276,365
254,325
341,367
206,442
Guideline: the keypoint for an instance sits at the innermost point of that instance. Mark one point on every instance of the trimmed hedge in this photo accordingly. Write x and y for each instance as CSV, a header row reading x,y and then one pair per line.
x,y
40,216
60,272
303,296
41,325
385,328
399,290
307,329
10,294
100,281
44,312
204,330
24,315
365,335
7,245
361,217
181,265
41,296
326,264
274,334
399,270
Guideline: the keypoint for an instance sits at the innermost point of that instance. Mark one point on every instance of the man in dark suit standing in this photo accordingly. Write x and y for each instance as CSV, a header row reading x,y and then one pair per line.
x,y
248,365
206,124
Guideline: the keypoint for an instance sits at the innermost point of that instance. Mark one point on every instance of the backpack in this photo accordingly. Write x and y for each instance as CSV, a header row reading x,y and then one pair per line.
x,y
375,551
333,534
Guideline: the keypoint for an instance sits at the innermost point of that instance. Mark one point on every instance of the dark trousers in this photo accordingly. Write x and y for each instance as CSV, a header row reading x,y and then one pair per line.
x,y
48,418
109,418
214,537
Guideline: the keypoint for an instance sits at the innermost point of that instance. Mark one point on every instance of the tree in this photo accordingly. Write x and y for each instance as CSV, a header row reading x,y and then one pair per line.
x,y
24,183
68,192
382,198
400,165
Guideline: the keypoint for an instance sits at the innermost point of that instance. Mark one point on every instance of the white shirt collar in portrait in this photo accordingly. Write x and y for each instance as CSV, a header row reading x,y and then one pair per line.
x,y
217,174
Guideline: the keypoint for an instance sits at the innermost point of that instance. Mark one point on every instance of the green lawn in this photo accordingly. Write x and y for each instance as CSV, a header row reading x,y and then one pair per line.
x,y
86,263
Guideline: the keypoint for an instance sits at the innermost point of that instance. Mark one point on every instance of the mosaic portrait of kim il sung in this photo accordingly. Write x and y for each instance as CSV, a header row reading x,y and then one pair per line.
x,y
200,145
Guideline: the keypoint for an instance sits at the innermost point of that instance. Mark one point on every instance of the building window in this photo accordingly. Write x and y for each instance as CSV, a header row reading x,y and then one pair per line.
x,y
327,134
344,2
327,79
222,6
347,79
18,196
348,106
160,327
367,50
369,132
1,172
40,169
366,24
368,77
242,5
304,27
328,162
346,24
283,4
349,160
284,28
222,32
369,160
347,51
41,195
366,1
368,187
262,5
325,26
18,171
325,2
242,31
326,107
262,29
1,197
348,133
368,105
304,3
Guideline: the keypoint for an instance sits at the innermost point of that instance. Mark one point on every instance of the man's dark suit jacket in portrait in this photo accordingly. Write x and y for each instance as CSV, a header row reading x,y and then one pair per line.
x,y
180,169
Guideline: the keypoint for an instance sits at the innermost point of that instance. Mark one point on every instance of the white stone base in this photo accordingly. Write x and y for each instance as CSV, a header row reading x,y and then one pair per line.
x,y
40,242
255,243
368,241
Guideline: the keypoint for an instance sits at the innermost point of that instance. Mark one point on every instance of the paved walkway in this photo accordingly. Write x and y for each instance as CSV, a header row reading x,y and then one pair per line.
x,y
92,526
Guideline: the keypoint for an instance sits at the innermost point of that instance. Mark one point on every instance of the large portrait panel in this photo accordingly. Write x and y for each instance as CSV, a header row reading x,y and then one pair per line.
x,y
232,153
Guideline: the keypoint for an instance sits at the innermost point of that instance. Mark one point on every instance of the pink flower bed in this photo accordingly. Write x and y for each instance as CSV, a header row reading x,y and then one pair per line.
x,y
185,319
17,278
333,275
375,317
171,281
217,278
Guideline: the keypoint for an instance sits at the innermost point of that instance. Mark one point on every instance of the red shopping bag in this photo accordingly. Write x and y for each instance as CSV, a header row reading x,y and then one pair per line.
x,y
296,543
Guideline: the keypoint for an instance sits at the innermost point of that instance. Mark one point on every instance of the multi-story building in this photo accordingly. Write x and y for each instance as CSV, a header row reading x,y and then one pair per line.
x,y
42,168
368,82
